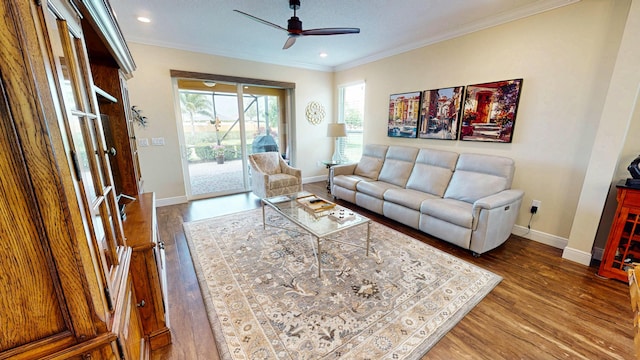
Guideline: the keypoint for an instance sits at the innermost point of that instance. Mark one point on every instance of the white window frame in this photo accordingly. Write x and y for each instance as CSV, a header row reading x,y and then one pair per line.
x,y
343,142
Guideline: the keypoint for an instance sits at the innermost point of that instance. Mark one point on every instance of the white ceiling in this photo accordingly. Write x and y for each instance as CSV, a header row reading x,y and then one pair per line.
x,y
386,27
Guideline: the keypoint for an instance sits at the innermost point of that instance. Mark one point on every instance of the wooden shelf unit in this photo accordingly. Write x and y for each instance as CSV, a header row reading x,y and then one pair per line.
x,y
623,245
70,286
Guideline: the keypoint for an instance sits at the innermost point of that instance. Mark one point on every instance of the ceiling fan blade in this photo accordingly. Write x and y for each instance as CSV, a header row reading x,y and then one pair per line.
x,y
260,20
289,43
330,31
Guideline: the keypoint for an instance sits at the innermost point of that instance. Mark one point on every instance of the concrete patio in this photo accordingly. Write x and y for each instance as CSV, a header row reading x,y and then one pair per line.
x,y
212,178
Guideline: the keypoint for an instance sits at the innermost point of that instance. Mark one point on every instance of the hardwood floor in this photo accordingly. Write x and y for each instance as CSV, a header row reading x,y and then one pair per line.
x,y
545,307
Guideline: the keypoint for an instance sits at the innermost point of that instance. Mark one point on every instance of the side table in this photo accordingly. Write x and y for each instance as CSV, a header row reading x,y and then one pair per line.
x,y
329,164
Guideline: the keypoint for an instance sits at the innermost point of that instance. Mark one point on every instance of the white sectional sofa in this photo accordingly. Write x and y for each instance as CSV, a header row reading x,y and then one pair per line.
x,y
465,199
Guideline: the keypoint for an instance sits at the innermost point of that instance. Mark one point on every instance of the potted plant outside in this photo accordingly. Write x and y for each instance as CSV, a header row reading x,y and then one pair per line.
x,y
218,150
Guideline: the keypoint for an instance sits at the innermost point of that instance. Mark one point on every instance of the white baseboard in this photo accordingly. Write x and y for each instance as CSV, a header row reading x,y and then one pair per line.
x,y
575,255
541,237
314,179
171,201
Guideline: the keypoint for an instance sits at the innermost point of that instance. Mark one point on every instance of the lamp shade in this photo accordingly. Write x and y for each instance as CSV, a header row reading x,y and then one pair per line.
x,y
336,130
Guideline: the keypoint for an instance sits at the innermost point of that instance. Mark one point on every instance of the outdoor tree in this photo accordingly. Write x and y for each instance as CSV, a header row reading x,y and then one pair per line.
x,y
192,104
353,117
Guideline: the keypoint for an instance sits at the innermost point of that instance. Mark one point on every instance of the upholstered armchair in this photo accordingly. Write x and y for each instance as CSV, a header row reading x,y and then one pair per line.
x,y
272,176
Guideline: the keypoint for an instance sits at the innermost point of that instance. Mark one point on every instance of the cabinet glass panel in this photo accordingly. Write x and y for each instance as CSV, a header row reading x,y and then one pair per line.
x,y
83,158
94,131
84,140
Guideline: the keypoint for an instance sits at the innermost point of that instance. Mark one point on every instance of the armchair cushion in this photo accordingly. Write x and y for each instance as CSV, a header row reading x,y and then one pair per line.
x,y
268,162
282,180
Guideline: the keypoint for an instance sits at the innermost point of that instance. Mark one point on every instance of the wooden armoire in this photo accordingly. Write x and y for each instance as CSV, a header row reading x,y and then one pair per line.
x,y
70,286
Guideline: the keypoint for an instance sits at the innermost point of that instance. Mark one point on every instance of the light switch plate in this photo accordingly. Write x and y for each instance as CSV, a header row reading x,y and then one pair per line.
x,y
157,141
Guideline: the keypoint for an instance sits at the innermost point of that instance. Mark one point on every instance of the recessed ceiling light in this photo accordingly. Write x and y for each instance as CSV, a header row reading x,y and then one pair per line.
x,y
144,19
323,54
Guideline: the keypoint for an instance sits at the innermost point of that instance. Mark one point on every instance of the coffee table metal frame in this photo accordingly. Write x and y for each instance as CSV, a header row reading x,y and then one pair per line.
x,y
319,225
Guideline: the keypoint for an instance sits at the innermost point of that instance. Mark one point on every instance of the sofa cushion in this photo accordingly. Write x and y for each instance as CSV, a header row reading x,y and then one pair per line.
x,y
407,197
488,164
477,176
374,188
432,171
371,162
368,167
470,186
453,211
398,164
348,181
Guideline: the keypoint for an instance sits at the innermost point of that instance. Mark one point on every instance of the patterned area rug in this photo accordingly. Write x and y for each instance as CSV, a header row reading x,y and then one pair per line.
x,y
265,300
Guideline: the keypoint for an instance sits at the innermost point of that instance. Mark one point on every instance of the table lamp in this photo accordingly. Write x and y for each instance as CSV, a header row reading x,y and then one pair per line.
x,y
336,131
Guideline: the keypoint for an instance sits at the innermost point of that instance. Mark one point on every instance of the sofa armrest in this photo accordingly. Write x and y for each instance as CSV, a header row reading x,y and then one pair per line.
x,y
493,219
345,169
503,198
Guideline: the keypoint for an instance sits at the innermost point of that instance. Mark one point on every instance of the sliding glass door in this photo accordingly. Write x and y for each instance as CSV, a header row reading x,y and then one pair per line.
x,y
221,124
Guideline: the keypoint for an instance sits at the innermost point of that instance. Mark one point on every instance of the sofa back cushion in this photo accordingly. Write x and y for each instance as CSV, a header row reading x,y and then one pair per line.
x,y
432,171
477,176
371,162
398,165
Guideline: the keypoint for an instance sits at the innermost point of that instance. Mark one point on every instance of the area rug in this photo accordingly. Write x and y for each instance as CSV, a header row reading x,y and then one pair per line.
x,y
265,300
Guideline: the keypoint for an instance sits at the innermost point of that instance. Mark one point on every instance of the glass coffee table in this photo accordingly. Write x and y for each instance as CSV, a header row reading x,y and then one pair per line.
x,y
319,218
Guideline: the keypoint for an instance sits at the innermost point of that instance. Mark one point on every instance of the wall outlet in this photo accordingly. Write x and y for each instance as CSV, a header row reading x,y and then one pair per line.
x,y
535,206
143,142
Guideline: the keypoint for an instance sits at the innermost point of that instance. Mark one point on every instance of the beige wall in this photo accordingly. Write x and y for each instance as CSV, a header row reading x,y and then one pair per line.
x,y
151,90
566,57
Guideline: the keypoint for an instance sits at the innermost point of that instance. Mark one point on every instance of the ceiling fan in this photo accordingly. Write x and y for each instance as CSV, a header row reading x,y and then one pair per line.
x,y
294,27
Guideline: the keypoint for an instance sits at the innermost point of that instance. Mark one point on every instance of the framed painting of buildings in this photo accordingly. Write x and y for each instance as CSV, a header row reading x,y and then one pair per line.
x,y
440,113
490,111
404,110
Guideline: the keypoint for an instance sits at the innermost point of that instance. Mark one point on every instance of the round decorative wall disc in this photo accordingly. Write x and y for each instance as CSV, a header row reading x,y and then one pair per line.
x,y
315,112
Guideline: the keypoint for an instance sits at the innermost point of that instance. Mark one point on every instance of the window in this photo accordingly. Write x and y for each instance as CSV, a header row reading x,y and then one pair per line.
x,y
351,112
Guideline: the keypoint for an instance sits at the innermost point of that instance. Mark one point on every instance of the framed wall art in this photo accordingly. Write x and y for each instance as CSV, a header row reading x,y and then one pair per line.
x,y
490,111
440,113
404,110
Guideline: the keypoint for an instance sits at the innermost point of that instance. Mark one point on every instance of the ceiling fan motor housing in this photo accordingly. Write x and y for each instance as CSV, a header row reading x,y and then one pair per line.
x,y
294,25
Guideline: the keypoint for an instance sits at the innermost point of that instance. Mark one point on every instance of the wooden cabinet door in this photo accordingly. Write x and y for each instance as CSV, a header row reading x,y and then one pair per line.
x,y
83,136
46,300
